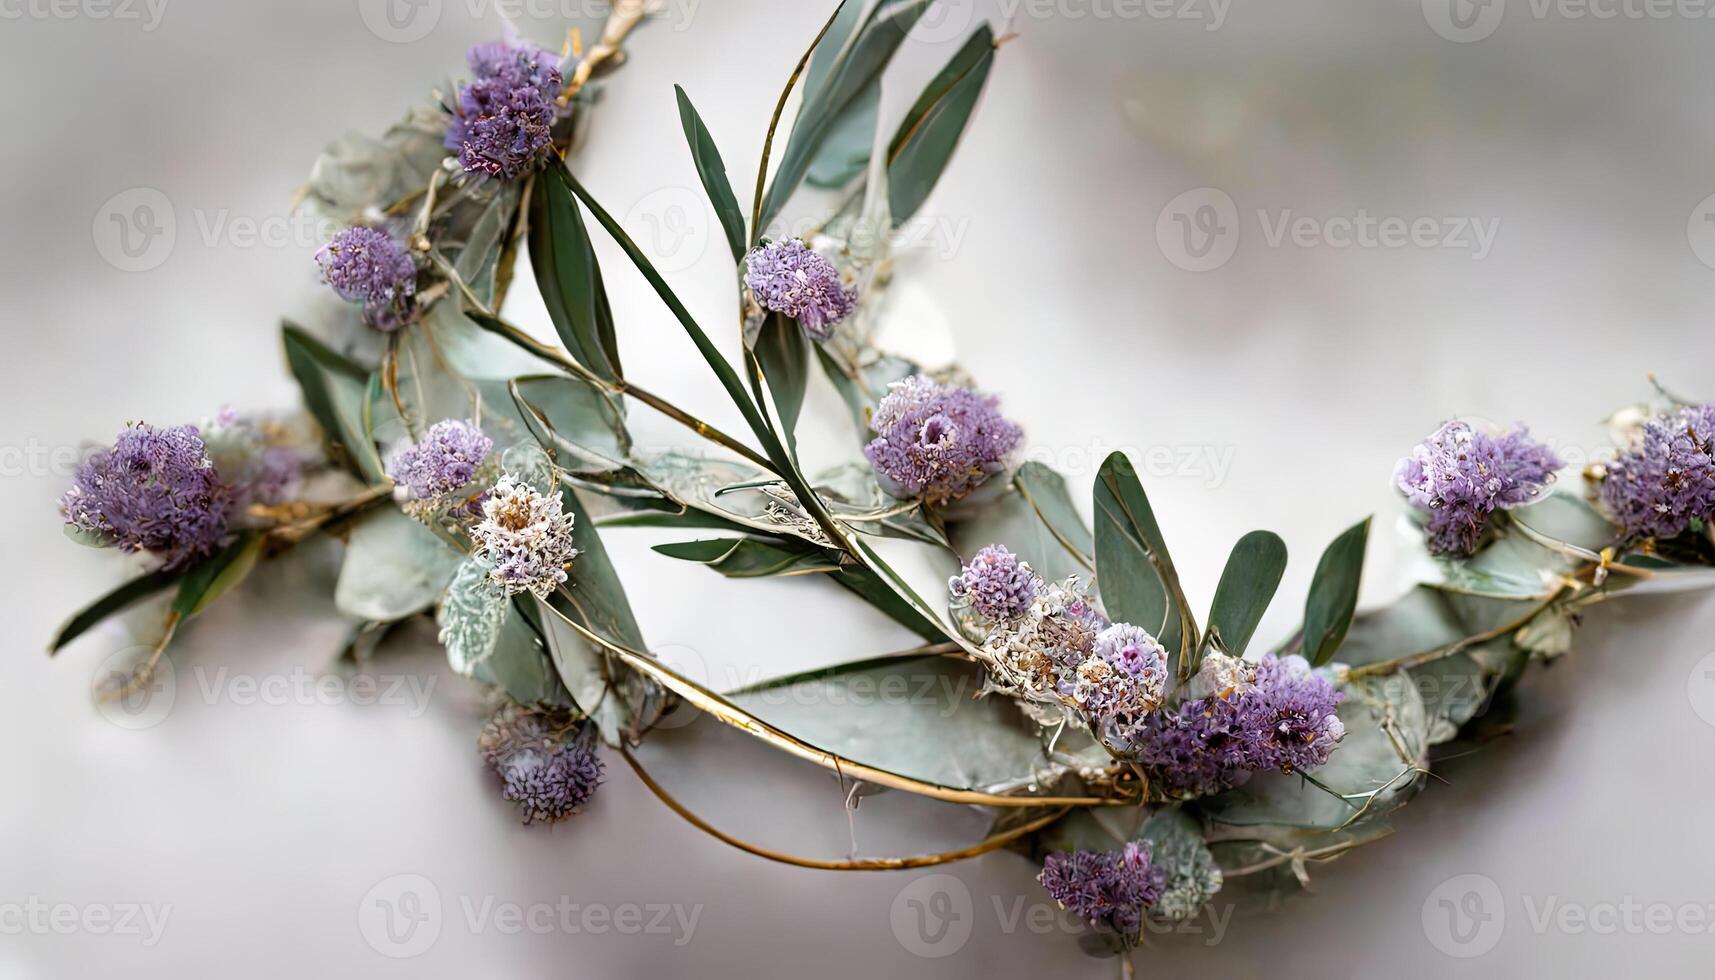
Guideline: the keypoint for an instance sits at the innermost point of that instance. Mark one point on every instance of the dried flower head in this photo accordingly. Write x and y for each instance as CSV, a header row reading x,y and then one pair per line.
x,y
504,118
368,266
1283,718
1666,479
995,583
156,491
937,441
791,278
545,761
253,458
1459,476
526,537
446,460
1122,680
1108,888
1034,655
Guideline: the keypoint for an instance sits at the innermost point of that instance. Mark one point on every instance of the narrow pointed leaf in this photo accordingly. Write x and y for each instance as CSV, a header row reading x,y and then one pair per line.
x,y
569,277
783,354
125,596
713,174
1138,581
926,139
1334,594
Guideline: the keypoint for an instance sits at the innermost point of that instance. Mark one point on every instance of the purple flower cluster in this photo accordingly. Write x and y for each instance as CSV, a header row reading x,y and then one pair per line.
x,y
368,266
444,460
937,441
155,491
504,118
1281,717
1666,480
1459,476
995,583
251,458
1108,888
545,762
789,277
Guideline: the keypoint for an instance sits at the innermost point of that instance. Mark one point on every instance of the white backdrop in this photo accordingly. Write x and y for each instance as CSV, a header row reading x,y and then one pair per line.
x,y
1275,390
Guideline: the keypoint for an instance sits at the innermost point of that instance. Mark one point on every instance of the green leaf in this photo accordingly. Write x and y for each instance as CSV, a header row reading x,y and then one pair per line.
x,y
783,354
869,587
712,172
210,580
1334,594
752,557
336,391
394,567
846,149
903,716
848,76
1247,585
569,276
931,130
576,421
1139,583
1036,520
125,596
519,663
596,599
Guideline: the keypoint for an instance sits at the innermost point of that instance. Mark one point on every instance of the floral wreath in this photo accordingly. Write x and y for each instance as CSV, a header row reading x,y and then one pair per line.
x,y
1142,754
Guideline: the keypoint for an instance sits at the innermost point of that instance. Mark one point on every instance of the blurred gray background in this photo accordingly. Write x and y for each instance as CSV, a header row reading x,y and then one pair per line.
x,y
1152,238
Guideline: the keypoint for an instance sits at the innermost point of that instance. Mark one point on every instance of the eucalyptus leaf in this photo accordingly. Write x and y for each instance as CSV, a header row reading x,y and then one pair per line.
x,y
1247,586
519,664
214,577
752,557
925,141
1334,594
569,277
1138,581
394,567
783,354
124,597
712,172
336,391
905,716
356,173
1034,519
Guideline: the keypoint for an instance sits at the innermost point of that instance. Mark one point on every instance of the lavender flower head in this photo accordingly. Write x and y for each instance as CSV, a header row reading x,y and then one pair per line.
x,y
525,537
504,117
546,764
155,491
937,441
1459,476
1109,888
444,461
995,583
368,266
789,277
1666,479
1276,714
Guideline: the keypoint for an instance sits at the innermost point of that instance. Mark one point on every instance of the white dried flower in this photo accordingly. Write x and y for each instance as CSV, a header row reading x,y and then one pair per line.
x,y
525,537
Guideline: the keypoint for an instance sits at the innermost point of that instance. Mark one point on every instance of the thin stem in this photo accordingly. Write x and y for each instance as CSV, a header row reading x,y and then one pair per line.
x,y
774,123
